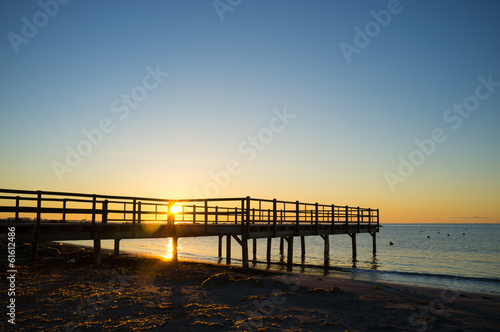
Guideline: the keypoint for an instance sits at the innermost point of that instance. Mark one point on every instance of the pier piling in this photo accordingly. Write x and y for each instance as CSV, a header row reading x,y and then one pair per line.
x,y
374,243
268,253
228,249
303,249
289,261
97,252
354,253
117,247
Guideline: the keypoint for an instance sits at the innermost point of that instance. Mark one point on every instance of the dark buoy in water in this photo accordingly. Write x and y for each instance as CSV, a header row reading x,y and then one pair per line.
x,y
447,234
463,233
439,233
391,244
428,236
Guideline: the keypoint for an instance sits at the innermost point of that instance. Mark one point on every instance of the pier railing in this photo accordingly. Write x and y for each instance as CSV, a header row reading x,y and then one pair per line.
x,y
48,206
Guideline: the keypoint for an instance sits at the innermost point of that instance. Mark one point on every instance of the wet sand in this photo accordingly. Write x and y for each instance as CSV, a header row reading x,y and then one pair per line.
x,y
63,291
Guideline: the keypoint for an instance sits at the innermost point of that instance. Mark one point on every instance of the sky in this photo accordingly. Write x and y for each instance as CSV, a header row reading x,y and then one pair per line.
x,y
392,104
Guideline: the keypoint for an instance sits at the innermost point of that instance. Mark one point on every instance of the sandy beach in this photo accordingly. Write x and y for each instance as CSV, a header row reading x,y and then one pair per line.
x,y
63,291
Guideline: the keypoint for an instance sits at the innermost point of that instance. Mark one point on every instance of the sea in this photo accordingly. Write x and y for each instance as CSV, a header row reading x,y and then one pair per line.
x,y
462,257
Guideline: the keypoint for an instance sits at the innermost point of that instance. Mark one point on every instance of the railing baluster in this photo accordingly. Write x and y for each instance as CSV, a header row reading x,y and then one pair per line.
x,y
347,219
105,212
297,217
64,210
274,217
316,218
358,216
139,212
94,201
17,208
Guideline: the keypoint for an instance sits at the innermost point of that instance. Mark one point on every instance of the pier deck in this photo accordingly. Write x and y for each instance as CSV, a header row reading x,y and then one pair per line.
x,y
39,216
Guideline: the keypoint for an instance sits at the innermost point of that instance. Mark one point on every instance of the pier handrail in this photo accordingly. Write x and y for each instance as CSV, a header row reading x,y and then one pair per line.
x,y
113,208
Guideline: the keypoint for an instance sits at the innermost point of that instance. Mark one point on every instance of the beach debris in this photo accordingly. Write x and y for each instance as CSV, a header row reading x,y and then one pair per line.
x,y
332,289
221,279
378,287
218,280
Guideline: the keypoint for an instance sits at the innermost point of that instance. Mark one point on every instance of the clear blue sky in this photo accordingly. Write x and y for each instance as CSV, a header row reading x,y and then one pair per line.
x,y
231,70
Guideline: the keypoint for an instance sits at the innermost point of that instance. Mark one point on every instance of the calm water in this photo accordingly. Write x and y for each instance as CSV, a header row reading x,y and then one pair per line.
x,y
460,256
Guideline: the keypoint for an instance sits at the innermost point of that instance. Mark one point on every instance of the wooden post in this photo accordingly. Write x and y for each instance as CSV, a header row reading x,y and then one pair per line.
x,y
134,216
206,216
282,255
220,247
303,249
247,217
358,216
378,220
94,202
17,208
34,245
139,212
326,239
275,217
374,238
333,219
316,217
297,216
289,261
175,258
354,253
97,251
268,254
228,249
105,212
254,248
244,250
347,219
117,247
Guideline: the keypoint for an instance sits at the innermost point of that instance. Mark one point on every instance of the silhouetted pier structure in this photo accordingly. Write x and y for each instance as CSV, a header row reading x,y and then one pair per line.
x,y
53,216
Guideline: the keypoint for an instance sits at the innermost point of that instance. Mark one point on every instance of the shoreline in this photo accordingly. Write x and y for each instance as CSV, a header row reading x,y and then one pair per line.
x,y
436,281
137,291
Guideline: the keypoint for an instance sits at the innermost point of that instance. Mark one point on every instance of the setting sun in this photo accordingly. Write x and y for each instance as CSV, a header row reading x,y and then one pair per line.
x,y
175,208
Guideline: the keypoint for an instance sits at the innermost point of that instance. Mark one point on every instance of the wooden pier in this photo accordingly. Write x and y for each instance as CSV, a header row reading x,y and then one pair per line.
x,y
40,216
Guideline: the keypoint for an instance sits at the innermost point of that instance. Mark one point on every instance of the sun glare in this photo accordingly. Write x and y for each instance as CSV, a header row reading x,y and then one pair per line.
x,y
175,208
